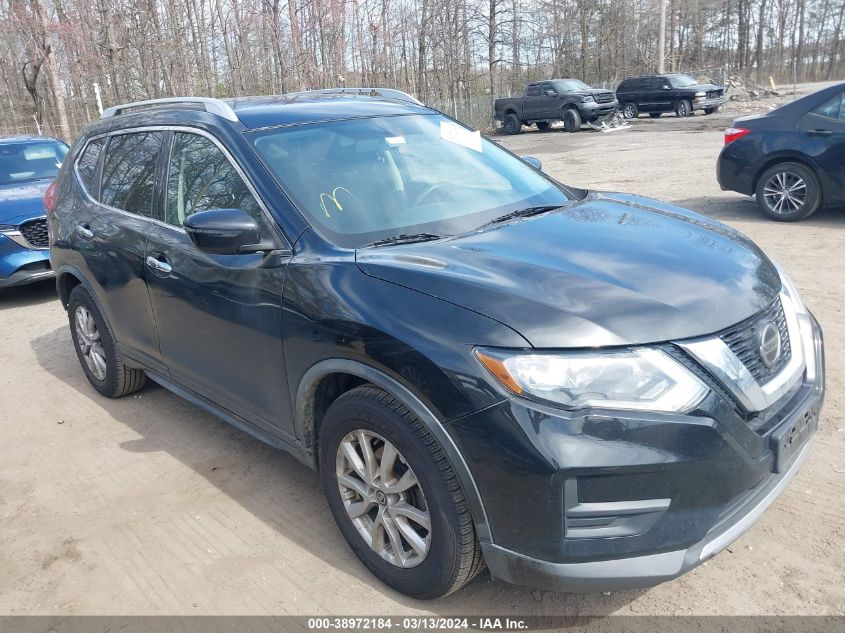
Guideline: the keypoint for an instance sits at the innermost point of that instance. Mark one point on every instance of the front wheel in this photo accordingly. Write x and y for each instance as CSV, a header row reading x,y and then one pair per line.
x,y
572,120
395,496
788,192
630,111
683,108
512,124
542,125
711,110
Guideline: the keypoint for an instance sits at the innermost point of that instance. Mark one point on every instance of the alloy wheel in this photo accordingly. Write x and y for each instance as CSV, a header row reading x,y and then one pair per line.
x,y
90,344
785,192
630,112
383,498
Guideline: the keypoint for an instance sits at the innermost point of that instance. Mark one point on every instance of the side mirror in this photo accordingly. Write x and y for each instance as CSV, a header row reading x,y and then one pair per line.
x,y
536,163
667,87
224,232
551,93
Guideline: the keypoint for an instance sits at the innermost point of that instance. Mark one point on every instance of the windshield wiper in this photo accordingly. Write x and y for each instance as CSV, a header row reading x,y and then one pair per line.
x,y
405,238
521,213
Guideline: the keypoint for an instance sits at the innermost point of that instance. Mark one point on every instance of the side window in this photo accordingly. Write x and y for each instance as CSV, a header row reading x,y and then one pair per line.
x,y
129,169
201,178
533,91
832,108
549,90
86,166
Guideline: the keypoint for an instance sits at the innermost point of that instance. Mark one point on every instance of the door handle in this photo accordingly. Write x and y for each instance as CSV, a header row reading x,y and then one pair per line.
x,y
820,132
159,266
84,231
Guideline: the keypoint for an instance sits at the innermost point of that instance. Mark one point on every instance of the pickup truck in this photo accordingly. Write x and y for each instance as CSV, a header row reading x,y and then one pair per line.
x,y
542,102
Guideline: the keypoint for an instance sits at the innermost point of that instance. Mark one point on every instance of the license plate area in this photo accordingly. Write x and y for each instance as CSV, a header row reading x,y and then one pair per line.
x,y
788,440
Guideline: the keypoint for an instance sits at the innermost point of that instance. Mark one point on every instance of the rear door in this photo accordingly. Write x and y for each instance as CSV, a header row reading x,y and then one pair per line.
x,y
219,317
111,227
822,133
532,103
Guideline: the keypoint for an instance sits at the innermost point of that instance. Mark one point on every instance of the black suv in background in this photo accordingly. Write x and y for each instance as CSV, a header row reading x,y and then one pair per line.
x,y
543,102
583,390
656,94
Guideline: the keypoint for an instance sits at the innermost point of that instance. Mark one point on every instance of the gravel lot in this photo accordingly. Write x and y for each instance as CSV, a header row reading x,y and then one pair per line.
x,y
147,505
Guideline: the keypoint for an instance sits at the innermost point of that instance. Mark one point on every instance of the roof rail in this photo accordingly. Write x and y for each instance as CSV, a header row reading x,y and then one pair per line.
x,y
387,93
212,106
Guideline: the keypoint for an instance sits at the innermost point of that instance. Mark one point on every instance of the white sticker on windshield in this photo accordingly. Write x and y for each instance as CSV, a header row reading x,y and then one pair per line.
x,y
395,140
459,135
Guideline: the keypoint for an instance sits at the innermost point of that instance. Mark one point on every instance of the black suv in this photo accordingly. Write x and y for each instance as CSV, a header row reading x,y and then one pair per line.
x,y
583,390
676,93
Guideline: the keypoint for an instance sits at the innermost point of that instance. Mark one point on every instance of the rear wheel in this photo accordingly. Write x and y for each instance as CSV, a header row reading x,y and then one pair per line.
x,y
683,108
788,192
630,111
104,366
395,496
512,124
542,125
572,120
654,115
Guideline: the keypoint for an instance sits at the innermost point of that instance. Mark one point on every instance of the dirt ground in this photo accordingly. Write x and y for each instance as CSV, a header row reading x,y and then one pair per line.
x,y
147,505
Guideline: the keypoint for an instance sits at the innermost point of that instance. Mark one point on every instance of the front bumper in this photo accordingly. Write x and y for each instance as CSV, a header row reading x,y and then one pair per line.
x,y
20,265
593,110
601,502
706,104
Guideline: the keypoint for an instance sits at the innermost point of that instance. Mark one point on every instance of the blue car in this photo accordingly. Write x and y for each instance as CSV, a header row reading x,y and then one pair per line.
x,y
27,167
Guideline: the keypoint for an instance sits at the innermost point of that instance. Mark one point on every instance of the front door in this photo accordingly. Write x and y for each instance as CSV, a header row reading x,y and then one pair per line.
x,y
219,317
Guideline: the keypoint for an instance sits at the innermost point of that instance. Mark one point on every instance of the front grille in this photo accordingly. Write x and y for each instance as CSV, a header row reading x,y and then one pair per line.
x,y
35,233
714,93
603,97
743,341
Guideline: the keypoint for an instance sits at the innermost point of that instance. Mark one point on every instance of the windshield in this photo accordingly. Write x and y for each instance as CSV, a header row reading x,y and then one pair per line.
x,y
30,160
565,85
362,180
682,81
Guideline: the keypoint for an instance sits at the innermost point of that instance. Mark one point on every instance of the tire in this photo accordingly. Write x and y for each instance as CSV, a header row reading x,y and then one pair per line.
x,y
683,108
453,555
711,110
630,111
572,120
512,124
655,115
95,348
805,193
542,125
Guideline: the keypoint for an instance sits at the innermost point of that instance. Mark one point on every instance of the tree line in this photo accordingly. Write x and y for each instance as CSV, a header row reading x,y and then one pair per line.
x,y
63,59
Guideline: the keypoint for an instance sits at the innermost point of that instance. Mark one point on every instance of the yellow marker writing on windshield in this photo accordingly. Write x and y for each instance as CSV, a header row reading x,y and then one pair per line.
x,y
333,197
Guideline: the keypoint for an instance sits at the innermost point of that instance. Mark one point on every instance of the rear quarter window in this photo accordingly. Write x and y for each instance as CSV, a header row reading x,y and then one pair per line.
x,y
86,165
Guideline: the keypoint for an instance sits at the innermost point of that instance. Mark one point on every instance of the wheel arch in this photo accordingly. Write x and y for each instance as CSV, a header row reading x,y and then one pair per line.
x,y
801,159
327,374
67,278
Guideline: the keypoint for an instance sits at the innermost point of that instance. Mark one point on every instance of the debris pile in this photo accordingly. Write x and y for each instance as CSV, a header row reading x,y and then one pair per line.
x,y
744,89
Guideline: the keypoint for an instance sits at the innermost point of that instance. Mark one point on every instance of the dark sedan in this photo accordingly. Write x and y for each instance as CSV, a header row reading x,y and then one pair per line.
x,y
792,158
27,166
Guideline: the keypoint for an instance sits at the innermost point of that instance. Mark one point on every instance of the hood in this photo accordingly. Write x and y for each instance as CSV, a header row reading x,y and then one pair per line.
x,y
704,87
591,91
612,269
20,202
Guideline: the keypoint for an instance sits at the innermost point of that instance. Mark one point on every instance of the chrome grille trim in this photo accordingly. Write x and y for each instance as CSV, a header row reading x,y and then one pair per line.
x,y
721,361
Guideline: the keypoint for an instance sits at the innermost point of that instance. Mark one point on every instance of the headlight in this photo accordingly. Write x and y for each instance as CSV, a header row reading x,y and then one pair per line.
x,y
700,95
637,379
587,99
